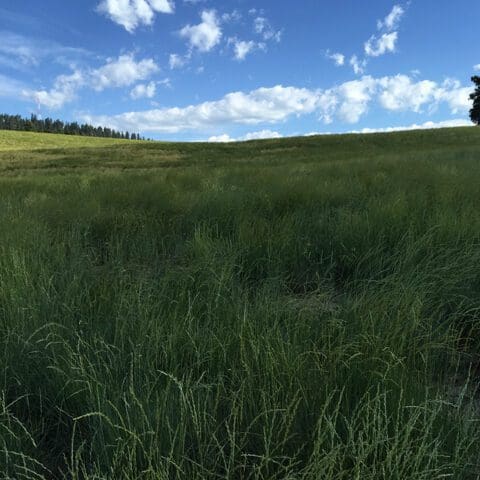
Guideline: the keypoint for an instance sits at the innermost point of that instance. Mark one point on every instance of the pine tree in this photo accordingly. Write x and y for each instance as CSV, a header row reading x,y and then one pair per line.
x,y
475,96
48,125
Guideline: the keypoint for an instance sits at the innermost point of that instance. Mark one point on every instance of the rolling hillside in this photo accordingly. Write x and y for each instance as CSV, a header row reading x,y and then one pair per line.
x,y
303,308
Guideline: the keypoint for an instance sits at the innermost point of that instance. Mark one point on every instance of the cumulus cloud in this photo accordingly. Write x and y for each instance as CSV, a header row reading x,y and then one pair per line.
x,y
206,35
347,102
260,135
452,123
354,98
358,65
132,13
242,48
338,58
477,67
225,138
121,72
392,20
234,16
144,91
64,91
268,105
177,61
265,134
402,93
457,97
162,6
377,46
263,27
456,122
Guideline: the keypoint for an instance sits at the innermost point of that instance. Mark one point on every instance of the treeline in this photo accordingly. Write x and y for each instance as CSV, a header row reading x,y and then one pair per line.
x,y
48,125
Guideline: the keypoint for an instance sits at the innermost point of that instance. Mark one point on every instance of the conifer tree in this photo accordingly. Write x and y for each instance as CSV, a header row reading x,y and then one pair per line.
x,y
475,96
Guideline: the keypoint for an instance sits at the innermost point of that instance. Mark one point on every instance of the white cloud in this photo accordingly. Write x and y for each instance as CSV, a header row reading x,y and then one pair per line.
x,y
348,102
453,123
354,98
377,46
401,93
162,6
132,13
225,138
232,17
261,27
392,20
338,58
177,61
144,91
64,91
122,72
206,35
260,135
358,65
266,134
166,82
243,48
264,28
456,122
454,95
477,67
264,105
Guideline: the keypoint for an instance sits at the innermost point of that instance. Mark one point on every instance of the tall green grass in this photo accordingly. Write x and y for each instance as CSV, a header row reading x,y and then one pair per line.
x,y
289,309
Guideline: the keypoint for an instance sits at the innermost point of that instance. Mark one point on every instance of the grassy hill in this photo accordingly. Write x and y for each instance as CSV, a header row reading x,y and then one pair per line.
x,y
11,140
305,308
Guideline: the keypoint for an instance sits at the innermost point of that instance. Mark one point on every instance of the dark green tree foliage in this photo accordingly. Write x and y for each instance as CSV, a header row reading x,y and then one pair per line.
x,y
48,125
475,96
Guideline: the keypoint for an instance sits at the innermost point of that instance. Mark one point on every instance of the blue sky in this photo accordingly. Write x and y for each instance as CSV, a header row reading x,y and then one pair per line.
x,y
212,70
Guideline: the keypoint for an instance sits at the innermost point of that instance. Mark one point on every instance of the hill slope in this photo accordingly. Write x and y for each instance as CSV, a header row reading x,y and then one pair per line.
x,y
302,308
30,149
12,140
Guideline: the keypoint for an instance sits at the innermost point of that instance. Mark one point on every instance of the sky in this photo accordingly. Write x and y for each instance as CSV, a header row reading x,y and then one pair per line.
x,y
240,69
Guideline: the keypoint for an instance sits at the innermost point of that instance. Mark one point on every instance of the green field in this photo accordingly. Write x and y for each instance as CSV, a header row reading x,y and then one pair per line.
x,y
305,308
